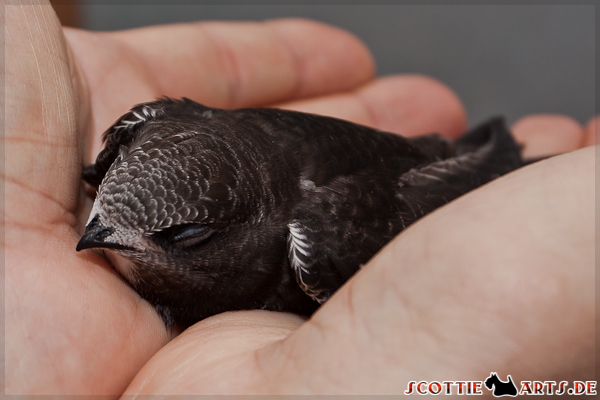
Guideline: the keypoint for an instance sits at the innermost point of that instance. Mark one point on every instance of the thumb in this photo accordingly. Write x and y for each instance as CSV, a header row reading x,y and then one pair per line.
x,y
41,145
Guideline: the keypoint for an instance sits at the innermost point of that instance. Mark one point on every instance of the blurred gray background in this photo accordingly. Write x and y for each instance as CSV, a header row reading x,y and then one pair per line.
x,y
510,60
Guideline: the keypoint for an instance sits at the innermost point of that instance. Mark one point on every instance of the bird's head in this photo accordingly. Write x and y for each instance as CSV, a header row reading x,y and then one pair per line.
x,y
152,206
178,204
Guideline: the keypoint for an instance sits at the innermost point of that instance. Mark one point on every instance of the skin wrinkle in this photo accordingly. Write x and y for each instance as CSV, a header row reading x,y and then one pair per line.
x,y
104,73
83,104
304,68
544,173
432,332
25,227
56,64
316,328
331,375
50,228
348,302
134,57
426,333
385,117
50,44
373,117
43,153
358,321
411,315
160,86
39,71
273,348
64,208
438,342
149,377
44,131
263,376
354,322
409,318
95,106
263,357
297,68
283,352
44,143
228,59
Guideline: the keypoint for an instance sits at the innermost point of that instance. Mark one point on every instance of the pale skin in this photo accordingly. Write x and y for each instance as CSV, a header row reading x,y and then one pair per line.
x,y
500,280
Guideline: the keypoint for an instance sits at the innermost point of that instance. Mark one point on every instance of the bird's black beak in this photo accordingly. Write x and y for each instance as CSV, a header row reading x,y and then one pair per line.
x,y
95,237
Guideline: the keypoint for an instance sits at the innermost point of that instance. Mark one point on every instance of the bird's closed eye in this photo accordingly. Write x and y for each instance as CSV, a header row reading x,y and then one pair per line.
x,y
185,235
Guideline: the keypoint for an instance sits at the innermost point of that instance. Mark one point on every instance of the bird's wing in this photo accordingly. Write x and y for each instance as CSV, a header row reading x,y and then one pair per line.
x,y
340,226
483,154
127,128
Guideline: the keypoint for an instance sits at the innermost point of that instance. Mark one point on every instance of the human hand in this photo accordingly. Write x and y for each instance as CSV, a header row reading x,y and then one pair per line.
x,y
61,306
501,280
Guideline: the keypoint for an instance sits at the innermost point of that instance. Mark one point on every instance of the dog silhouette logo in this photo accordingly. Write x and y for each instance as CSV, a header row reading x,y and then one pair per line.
x,y
501,388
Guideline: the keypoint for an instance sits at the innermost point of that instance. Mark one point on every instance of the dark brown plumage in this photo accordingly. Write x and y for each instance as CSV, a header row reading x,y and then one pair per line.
x,y
205,210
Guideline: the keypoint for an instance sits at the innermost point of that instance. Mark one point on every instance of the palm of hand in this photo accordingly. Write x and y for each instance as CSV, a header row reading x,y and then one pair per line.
x,y
75,327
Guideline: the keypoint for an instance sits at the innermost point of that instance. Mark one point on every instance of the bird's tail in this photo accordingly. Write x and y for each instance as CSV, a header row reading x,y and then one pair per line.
x,y
496,146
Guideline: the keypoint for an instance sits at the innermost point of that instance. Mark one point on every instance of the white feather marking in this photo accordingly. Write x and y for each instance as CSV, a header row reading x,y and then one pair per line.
x,y
416,176
139,116
299,235
298,248
440,170
301,250
95,209
307,184
298,255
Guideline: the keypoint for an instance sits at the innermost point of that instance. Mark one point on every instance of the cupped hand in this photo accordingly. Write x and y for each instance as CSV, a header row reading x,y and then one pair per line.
x,y
500,265
501,280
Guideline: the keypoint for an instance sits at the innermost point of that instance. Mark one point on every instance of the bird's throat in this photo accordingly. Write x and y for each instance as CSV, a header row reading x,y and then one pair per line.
x,y
123,265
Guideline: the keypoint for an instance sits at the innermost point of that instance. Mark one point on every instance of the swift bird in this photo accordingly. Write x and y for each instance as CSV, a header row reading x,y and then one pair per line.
x,y
204,210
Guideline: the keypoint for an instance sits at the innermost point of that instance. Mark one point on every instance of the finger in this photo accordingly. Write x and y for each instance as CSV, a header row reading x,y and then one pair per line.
x,y
237,64
227,365
406,104
41,146
61,307
592,131
548,134
220,64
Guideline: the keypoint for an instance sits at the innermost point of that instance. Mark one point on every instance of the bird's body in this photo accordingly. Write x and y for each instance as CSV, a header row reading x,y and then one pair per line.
x,y
205,210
